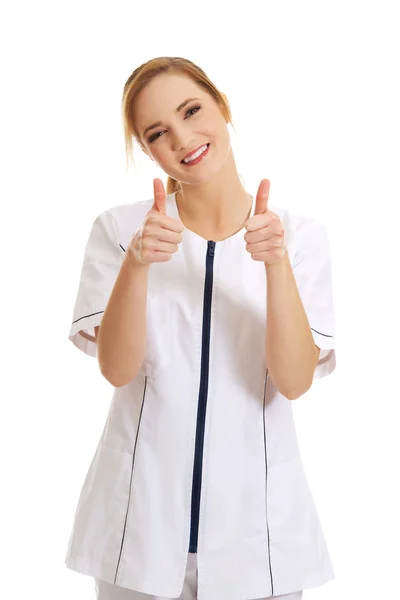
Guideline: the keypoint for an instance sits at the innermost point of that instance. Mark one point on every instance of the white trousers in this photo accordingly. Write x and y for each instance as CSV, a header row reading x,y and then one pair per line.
x,y
108,591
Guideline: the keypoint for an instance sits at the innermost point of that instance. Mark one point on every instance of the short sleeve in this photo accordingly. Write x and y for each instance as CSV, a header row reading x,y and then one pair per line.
x,y
312,271
101,264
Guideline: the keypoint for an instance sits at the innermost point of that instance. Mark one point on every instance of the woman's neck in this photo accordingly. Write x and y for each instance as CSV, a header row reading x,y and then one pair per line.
x,y
214,219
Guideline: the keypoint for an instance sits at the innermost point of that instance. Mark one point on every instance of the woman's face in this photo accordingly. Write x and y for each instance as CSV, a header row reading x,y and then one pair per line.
x,y
199,122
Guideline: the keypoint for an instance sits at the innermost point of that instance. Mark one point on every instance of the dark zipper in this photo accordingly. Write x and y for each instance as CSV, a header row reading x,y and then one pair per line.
x,y
202,403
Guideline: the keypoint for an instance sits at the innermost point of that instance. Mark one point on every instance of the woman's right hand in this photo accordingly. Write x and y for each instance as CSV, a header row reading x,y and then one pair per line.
x,y
159,236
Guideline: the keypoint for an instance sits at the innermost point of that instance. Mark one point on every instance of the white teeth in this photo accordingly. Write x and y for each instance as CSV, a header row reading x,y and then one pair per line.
x,y
197,154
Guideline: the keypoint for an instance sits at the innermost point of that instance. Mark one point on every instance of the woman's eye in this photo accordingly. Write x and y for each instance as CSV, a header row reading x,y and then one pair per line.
x,y
194,108
155,136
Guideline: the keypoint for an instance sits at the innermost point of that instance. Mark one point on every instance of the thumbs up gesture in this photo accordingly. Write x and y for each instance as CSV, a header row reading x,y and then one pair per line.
x,y
158,237
265,234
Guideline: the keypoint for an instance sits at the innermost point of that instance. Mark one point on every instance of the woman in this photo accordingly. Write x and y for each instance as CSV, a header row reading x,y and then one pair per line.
x,y
208,312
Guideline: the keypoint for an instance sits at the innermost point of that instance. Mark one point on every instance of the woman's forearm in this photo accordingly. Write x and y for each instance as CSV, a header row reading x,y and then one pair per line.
x,y
121,340
291,352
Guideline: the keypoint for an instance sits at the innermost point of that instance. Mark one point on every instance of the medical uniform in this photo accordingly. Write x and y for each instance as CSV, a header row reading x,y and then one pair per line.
x,y
199,455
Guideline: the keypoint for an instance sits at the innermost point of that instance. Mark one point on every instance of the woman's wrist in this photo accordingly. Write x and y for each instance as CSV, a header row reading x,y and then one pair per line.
x,y
133,263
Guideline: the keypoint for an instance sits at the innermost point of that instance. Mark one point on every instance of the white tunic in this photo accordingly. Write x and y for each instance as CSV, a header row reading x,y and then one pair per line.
x,y
200,450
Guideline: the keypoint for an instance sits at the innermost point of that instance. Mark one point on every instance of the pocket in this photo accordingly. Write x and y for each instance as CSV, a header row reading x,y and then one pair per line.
x,y
160,335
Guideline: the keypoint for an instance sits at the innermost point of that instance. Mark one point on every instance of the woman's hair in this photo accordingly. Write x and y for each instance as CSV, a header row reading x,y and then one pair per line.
x,y
146,73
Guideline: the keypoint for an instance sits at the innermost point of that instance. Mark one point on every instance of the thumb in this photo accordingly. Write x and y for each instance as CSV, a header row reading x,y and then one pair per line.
x,y
262,197
160,202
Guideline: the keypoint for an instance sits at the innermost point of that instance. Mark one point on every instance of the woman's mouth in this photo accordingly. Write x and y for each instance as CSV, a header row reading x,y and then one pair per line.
x,y
195,161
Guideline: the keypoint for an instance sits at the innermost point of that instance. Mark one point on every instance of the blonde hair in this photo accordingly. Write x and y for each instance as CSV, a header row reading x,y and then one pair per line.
x,y
142,77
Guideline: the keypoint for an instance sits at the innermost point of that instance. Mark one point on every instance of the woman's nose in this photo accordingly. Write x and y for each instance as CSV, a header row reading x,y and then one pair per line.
x,y
183,140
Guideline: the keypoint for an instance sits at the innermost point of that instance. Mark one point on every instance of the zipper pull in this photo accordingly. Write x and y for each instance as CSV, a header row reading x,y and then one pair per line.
x,y
211,248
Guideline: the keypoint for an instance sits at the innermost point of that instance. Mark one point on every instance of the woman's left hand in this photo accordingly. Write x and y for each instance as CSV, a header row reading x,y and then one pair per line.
x,y
265,235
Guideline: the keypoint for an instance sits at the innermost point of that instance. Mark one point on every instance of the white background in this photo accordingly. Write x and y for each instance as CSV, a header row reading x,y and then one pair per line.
x,y
313,88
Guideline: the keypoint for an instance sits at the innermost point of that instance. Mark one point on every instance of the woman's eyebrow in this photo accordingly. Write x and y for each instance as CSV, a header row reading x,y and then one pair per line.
x,y
182,105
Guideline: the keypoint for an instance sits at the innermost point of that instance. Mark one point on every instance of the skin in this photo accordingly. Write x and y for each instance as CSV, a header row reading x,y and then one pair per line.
x,y
213,201
214,204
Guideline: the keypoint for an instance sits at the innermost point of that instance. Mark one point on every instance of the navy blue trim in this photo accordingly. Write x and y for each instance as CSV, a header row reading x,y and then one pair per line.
x,y
87,316
202,403
130,483
266,484
324,334
96,313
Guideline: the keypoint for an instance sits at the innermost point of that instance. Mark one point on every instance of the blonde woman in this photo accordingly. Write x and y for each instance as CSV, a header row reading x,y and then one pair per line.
x,y
209,311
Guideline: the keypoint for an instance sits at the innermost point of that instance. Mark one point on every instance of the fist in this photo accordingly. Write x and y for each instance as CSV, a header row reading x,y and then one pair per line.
x,y
265,236
159,236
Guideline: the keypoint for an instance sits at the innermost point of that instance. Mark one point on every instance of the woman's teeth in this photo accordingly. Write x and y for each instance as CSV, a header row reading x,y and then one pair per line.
x,y
197,154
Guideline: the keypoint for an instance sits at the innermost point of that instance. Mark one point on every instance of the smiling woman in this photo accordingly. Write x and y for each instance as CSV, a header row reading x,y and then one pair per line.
x,y
206,309
190,107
